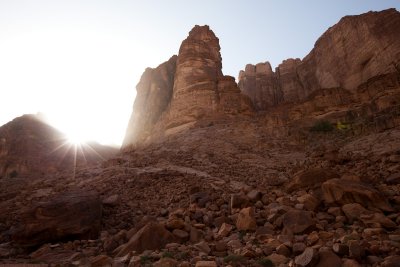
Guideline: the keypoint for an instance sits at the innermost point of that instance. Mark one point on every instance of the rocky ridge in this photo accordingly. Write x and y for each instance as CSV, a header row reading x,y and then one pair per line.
x,y
31,147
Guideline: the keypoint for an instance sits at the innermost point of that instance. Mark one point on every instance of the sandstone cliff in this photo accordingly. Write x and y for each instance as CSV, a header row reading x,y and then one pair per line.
x,y
185,89
347,55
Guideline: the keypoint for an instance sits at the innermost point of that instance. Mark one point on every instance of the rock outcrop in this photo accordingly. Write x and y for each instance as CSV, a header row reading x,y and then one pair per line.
x,y
347,55
29,146
153,95
185,89
68,216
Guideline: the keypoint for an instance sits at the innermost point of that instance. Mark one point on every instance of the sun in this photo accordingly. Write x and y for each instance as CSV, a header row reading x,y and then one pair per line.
x,y
76,139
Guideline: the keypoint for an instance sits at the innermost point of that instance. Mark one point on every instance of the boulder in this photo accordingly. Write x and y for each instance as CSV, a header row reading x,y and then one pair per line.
x,y
310,178
297,221
70,215
151,237
344,192
328,259
246,220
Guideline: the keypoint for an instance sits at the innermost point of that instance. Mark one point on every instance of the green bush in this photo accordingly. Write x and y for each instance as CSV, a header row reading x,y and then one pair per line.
x,y
322,126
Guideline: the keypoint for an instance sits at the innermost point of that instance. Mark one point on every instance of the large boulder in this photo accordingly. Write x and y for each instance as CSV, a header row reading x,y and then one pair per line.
x,y
151,237
297,221
310,178
70,215
343,192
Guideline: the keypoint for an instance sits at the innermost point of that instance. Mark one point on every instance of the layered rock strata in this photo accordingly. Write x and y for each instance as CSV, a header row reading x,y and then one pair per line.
x,y
185,89
347,55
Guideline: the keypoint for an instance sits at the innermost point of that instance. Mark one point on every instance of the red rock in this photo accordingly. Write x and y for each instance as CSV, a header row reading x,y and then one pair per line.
x,y
345,192
154,93
29,147
310,178
152,236
74,214
328,259
246,220
297,221
345,56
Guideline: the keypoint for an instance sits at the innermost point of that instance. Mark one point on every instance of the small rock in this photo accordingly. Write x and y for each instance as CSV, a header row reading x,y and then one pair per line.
x,y
166,262
183,236
391,261
328,259
100,261
355,250
308,258
203,247
224,230
283,250
298,248
350,263
111,200
206,264
254,195
340,249
246,220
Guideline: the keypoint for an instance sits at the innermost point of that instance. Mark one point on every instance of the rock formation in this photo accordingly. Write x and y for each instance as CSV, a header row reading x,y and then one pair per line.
x,y
185,89
347,55
30,146
153,95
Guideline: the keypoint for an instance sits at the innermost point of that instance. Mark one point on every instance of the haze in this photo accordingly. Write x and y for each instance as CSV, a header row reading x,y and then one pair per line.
x,y
78,62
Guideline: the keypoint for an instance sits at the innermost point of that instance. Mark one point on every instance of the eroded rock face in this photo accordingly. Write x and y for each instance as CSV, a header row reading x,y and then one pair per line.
x,y
185,89
345,191
29,147
71,215
200,89
154,92
347,55
260,83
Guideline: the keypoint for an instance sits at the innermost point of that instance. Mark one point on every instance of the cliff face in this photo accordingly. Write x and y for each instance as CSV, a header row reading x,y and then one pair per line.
x,y
347,55
185,89
154,93
351,74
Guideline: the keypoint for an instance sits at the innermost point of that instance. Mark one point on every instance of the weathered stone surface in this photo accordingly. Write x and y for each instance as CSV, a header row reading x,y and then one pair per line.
x,y
153,95
308,258
152,236
246,219
345,192
328,259
310,178
30,147
185,89
297,221
347,55
75,214
260,84
200,88
206,264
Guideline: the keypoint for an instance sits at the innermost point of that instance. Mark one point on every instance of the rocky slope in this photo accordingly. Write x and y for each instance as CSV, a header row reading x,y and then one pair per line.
x,y
206,180
30,147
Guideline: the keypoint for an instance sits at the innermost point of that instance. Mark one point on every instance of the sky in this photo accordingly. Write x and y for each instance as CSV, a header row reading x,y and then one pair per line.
x,y
78,61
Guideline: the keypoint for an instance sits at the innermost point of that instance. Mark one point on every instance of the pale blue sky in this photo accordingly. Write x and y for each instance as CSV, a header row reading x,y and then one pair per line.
x,y
78,61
